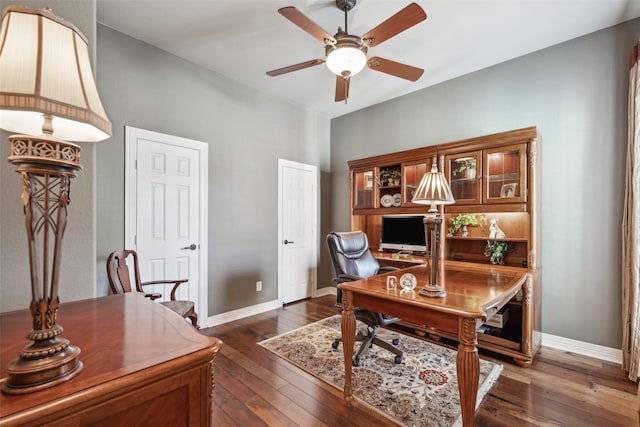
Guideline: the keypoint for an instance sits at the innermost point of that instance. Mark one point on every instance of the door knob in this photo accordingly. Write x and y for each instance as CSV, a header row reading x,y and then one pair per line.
x,y
192,247
286,242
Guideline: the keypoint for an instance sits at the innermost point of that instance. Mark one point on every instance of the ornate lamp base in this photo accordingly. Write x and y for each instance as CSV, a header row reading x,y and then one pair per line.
x,y
432,224
29,375
46,165
433,291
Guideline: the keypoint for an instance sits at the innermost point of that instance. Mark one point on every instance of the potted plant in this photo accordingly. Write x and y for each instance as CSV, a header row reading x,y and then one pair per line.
x,y
467,167
460,222
496,251
389,177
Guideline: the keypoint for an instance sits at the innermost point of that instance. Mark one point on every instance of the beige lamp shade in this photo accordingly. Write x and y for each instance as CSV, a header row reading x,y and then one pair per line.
x,y
433,189
45,69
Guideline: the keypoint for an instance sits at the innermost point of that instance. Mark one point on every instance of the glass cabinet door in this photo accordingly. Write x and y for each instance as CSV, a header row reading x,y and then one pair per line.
x,y
412,174
464,171
505,174
389,182
363,189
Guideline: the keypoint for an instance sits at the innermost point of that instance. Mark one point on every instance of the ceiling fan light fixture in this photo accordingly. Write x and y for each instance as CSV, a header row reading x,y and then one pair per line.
x,y
346,59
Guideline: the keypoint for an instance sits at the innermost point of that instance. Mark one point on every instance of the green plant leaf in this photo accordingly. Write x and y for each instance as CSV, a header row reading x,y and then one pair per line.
x,y
459,221
496,250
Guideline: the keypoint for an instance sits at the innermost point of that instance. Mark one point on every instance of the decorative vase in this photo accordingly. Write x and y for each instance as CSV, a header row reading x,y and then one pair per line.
x,y
463,230
470,173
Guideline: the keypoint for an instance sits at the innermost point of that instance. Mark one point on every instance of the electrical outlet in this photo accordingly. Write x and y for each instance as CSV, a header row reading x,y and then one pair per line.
x,y
259,286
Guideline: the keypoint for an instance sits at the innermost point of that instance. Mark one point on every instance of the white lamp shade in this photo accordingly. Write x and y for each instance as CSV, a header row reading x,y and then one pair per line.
x,y
433,189
45,69
346,59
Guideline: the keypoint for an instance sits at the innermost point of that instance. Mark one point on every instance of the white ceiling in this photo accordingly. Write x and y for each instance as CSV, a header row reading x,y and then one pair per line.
x,y
242,39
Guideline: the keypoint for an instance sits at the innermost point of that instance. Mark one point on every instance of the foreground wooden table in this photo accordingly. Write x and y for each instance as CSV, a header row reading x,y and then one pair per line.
x,y
474,293
143,365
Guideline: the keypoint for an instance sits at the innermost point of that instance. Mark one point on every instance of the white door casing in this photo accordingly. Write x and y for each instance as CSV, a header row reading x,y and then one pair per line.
x,y
166,212
297,231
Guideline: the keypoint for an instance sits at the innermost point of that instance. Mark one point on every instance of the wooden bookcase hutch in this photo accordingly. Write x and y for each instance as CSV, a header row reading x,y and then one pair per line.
x,y
494,177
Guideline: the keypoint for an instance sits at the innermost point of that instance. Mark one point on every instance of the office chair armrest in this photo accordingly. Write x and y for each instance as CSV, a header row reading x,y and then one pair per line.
x,y
166,282
385,319
387,269
347,278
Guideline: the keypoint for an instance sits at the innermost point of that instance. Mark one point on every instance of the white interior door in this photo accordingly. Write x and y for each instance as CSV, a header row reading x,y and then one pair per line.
x,y
297,231
167,207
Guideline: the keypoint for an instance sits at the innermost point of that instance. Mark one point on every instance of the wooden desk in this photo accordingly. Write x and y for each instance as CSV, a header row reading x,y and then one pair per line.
x,y
143,365
474,293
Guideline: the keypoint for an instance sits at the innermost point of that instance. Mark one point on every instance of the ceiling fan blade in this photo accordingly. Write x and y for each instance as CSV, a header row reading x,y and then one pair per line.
x,y
395,68
295,67
298,18
342,88
406,18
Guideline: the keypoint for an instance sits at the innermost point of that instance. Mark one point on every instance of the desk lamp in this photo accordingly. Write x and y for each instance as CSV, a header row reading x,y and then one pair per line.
x,y
434,190
45,83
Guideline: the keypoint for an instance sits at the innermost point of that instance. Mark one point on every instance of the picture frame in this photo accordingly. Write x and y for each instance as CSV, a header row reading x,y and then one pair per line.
x,y
368,180
508,190
392,283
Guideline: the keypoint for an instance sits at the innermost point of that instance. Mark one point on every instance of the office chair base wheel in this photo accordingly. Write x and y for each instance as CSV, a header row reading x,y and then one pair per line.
x,y
395,341
397,360
355,361
335,344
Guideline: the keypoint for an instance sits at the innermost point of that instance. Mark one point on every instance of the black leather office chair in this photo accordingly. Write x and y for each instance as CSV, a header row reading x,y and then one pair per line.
x,y
352,260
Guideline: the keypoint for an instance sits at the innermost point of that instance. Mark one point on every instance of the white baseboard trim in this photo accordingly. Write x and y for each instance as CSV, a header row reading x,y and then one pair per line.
x,y
241,313
327,290
584,348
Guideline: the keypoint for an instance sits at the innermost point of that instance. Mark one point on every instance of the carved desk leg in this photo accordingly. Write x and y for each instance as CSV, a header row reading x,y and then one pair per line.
x,y
212,374
527,323
348,327
468,369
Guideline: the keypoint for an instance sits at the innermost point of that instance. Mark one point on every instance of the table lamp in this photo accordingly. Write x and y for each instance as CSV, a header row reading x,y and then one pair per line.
x,y
46,83
434,190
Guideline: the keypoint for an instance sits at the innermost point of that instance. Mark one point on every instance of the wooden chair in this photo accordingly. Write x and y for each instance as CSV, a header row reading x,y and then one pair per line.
x,y
119,281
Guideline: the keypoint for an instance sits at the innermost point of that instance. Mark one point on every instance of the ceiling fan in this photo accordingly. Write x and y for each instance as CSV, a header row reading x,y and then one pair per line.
x,y
346,54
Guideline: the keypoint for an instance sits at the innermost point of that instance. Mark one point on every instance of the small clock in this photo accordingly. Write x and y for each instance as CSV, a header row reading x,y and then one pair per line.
x,y
408,281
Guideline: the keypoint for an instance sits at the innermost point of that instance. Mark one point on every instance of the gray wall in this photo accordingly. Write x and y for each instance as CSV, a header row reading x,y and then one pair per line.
x,y
576,94
77,277
247,132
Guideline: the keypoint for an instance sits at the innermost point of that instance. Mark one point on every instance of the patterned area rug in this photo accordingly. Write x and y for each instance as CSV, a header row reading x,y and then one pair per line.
x,y
421,391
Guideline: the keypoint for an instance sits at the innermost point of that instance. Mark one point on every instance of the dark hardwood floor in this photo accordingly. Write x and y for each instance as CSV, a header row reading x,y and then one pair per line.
x,y
256,388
